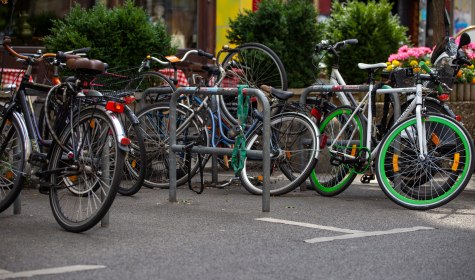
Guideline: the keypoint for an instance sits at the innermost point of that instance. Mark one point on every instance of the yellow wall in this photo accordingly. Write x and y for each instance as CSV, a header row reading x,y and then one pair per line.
x,y
226,9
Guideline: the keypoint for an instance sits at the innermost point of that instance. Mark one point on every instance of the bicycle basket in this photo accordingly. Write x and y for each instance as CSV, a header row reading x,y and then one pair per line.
x,y
115,82
403,77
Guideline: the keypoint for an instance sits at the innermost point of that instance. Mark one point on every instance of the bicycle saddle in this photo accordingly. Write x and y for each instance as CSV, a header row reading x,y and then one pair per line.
x,y
86,65
280,94
372,66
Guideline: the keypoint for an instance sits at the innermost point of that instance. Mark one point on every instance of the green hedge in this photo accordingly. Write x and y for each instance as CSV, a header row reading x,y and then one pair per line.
x,y
122,36
379,34
289,28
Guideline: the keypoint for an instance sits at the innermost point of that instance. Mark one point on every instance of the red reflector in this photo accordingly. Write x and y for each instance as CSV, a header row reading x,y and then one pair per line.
x,y
316,114
444,97
129,99
114,107
125,141
458,118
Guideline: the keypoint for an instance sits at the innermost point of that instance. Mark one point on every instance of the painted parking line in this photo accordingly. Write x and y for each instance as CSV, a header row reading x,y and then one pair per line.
x,y
4,274
349,232
286,222
366,234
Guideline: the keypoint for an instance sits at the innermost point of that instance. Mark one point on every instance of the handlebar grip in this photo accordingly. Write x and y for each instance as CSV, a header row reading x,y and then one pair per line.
x,y
7,40
205,54
426,68
81,50
351,42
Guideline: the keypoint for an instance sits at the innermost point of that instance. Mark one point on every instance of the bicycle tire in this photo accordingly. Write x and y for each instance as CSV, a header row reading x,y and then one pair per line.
x,y
154,120
151,87
13,163
341,176
252,64
422,184
289,167
134,166
96,171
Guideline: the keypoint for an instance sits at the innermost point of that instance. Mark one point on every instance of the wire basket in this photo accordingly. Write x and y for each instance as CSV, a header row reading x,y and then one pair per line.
x,y
116,82
405,77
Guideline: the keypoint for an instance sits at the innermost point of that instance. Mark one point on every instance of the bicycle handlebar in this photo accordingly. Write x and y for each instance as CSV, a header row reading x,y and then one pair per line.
x,y
60,55
434,77
326,45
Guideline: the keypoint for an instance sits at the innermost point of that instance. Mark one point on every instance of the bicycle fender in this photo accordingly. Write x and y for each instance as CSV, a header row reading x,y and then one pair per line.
x,y
26,140
119,130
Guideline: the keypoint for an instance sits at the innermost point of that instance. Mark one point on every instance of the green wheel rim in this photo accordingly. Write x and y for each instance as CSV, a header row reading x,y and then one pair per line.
x,y
313,175
453,188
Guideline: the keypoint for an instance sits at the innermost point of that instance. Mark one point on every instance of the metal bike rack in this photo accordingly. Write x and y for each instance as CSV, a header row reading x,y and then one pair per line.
x,y
264,153
356,88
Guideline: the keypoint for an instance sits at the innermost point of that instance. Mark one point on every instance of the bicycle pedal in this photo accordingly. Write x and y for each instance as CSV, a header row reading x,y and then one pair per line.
x,y
44,188
38,159
337,159
367,178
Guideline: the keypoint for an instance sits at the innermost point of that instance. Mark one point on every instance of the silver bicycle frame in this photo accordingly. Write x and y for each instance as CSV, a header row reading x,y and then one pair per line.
x,y
416,103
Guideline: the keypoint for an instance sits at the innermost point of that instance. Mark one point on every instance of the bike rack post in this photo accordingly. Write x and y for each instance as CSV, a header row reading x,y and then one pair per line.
x,y
17,205
265,153
105,164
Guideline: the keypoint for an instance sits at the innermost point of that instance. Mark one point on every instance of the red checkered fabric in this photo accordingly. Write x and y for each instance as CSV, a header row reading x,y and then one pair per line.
x,y
11,76
170,73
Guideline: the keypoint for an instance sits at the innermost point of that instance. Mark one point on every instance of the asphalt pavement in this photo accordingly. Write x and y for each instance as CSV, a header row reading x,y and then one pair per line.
x,y
223,234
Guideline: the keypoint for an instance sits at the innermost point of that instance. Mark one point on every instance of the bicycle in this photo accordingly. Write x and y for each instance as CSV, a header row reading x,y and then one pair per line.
x,y
218,74
292,135
83,166
423,162
336,180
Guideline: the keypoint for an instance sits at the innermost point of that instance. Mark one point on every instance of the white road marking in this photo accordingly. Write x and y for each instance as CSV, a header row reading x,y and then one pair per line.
x,y
46,271
366,234
4,271
350,233
279,221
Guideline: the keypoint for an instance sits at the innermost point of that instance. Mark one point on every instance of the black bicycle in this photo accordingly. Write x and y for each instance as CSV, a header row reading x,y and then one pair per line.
x,y
81,166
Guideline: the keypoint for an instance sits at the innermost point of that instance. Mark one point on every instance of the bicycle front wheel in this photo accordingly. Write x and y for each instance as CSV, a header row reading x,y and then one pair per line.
x,y
294,151
254,65
417,182
155,121
85,179
12,160
330,178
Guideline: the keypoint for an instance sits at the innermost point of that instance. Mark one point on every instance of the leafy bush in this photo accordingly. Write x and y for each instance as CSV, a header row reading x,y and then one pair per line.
x,y
289,28
122,36
378,32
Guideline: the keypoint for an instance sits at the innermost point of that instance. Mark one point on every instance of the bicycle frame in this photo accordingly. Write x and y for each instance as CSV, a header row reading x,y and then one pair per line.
x,y
415,104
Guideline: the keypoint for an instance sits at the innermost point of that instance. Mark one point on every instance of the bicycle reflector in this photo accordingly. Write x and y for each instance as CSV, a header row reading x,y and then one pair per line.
x,y
125,141
316,113
444,97
129,99
114,107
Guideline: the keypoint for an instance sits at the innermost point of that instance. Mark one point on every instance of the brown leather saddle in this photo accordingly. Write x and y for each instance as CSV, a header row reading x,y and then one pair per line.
x,y
86,65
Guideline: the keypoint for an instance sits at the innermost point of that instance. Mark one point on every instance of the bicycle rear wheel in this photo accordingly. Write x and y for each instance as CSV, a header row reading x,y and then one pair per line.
x,y
332,179
155,121
85,179
421,184
254,65
294,151
12,160
134,167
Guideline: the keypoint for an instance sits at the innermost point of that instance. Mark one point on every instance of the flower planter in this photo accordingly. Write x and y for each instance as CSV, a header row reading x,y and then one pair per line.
x,y
463,92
